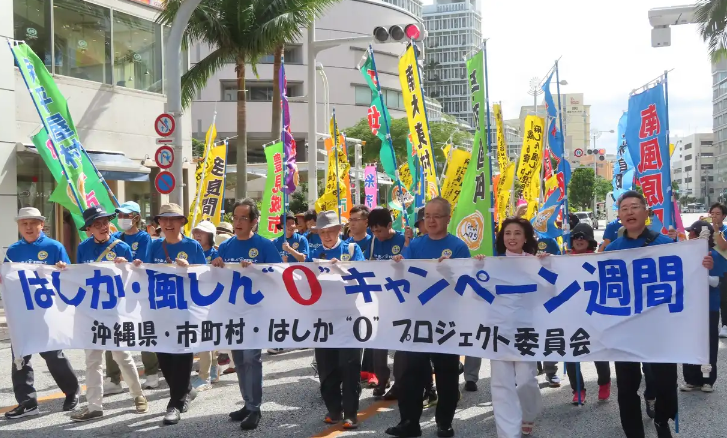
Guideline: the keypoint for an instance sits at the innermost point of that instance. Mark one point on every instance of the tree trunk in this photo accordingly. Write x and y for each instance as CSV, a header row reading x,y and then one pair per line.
x,y
275,126
241,190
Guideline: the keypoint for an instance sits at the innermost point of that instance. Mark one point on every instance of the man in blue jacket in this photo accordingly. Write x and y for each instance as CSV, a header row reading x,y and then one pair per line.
x,y
35,247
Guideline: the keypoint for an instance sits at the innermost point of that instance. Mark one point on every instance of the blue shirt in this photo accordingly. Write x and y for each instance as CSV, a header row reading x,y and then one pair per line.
x,y
425,247
719,269
44,251
388,248
256,249
549,245
297,242
89,251
210,254
611,231
314,241
364,244
343,251
625,242
138,242
187,249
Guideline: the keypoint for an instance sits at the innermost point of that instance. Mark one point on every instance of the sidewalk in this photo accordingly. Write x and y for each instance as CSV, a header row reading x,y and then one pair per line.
x,y
4,333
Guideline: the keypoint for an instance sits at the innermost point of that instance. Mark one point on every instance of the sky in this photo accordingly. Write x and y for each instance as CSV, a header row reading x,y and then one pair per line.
x,y
606,52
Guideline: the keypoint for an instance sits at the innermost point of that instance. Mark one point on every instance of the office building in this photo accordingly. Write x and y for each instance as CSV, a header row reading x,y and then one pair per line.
x,y
413,6
693,167
719,127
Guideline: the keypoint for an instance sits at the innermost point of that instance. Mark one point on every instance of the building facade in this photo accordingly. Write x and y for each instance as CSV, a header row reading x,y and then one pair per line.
x,y
454,33
413,6
719,127
107,59
693,167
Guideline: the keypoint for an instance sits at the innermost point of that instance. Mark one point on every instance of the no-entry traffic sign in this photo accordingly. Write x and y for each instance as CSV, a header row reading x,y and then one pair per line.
x,y
164,157
164,183
164,125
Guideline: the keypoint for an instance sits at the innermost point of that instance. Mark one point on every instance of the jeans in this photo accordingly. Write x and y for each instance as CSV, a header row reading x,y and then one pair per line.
x,y
415,381
472,368
339,371
151,366
628,380
94,376
515,396
693,373
602,368
58,366
249,368
177,370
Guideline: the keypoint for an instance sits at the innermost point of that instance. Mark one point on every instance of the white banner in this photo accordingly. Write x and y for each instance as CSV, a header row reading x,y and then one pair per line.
x,y
618,306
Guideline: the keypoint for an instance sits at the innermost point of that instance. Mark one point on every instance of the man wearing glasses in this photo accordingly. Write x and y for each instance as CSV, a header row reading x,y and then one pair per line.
x,y
358,229
246,248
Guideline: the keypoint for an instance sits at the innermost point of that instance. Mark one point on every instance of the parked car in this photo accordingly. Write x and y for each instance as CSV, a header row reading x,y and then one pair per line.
x,y
587,217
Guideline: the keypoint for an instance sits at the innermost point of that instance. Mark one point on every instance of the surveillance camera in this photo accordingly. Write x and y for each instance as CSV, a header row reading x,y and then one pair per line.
x,y
661,37
669,16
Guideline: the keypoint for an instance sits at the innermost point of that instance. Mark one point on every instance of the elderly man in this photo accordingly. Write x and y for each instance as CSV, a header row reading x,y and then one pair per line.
x,y
35,247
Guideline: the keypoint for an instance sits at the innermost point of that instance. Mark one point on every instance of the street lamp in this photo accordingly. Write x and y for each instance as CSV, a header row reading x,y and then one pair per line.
x,y
596,158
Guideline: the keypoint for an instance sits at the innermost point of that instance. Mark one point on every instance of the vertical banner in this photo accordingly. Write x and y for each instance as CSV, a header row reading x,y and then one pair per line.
x,y
503,161
507,169
623,168
646,139
378,116
272,205
371,186
457,162
472,219
528,170
416,113
289,148
58,144
507,179
329,199
195,214
213,186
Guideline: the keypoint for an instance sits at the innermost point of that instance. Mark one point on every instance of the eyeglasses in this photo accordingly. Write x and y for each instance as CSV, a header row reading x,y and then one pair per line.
x,y
578,236
357,219
630,209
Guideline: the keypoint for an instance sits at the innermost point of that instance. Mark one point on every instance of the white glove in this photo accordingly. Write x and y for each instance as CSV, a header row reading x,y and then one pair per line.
x,y
713,281
704,234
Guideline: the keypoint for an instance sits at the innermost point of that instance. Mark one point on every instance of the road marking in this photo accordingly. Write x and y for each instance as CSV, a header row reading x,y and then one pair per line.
x,y
370,411
47,398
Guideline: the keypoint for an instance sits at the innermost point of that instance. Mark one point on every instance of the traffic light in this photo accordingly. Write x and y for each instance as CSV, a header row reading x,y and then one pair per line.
x,y
399,33
600,153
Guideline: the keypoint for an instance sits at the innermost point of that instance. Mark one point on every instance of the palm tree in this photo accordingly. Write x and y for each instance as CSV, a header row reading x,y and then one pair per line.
x,y
240,31
712,18
275,126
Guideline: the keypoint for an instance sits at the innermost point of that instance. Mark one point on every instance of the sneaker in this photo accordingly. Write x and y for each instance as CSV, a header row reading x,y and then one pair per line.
x,y
71,402
350,423
172,416
200,384
251,421
373,382
392,393
191,395
229,370
379,391
553,380
687,387
405,429
365,376
214,374
332,418
141,404
151,382
651,408
239,415
274,351
663,430
445,431
707,388
582,398
111,388
604,392
223,359
470,386
23,410
86,415
430,398
527,427
723,332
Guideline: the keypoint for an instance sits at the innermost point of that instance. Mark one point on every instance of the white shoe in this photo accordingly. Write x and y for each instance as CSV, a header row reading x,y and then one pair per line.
x,y
688,388
723,332
110,388
151,382
707,388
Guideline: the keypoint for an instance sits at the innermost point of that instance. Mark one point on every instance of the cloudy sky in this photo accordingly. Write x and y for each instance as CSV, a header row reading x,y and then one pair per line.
x,y
606,52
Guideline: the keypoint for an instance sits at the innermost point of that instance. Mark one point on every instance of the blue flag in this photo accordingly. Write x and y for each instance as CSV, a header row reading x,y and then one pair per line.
x,y
555,137
648,145
544,221
623,167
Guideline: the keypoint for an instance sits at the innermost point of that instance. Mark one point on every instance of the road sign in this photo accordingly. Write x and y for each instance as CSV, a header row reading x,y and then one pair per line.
x,y
164,157
164,183
164,125
162,140
578,153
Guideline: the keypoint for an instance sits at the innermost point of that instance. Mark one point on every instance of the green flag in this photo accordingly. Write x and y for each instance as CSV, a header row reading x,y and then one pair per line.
x,y
413,162
272,206
472,219
378,117
62,152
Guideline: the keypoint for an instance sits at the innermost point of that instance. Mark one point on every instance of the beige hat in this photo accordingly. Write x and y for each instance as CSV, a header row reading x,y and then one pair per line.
x,y
225,227
29,213
327,219
221,238
207,227
170,210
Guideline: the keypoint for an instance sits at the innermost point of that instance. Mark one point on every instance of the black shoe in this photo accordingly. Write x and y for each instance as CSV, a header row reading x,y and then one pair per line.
x,y
251,421
445,432
470,386
239,415
172,416
650,408
405,429
71,402
461,368
23,410
663,430
392,393
430,398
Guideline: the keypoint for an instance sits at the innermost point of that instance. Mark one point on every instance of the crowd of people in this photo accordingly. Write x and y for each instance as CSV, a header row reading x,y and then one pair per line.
x,y
420,380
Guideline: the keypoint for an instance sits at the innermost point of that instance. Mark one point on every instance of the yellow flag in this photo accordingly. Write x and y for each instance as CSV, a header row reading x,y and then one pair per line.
x,y
416,113
213,188
503,161
405,176
457,161
531,159
344,180
503,191
204,168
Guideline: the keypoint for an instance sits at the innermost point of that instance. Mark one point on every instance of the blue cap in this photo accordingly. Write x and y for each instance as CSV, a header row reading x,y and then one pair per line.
x,y
128,208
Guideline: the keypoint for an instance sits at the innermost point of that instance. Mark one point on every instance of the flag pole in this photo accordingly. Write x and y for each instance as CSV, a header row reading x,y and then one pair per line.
x,y
566,223
426,116
335,156
489,145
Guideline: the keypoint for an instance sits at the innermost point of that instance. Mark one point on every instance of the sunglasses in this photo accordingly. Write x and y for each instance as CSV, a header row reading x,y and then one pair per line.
x,y
579,236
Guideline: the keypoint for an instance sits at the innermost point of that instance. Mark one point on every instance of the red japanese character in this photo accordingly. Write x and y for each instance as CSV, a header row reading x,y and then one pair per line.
x,y
650,155
651,186
373,117
276,204
49,145
273,222
372,73
278,163
650,124
91,199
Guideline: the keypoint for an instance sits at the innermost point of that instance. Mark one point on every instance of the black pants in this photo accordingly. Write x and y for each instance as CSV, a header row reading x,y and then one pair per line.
x,y
693,373
339,370
58,366
602,368
628,380
367,362
415,381
177,370
381,366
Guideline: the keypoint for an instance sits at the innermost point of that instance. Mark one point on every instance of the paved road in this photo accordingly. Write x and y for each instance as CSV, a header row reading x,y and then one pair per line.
x,y
293,408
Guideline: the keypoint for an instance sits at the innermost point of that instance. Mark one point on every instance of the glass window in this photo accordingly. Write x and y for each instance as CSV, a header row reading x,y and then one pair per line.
x,y
82,40
363,95
32,25
137,53
229,91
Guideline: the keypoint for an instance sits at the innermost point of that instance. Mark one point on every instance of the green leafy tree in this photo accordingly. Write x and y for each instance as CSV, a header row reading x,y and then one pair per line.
x,y
603,186
299,199
580,188
198,147
241,31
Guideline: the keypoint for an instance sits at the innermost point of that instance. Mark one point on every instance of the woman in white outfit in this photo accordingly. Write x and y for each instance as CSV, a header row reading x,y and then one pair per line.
x,y
516,395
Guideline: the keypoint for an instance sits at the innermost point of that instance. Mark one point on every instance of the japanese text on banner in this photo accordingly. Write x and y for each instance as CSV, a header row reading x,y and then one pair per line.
x,y
272,205
531,157
371,186
212,191
625,306
457,162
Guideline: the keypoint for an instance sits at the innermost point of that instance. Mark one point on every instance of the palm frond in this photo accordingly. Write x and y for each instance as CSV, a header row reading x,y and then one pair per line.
x,y
712,18
196,78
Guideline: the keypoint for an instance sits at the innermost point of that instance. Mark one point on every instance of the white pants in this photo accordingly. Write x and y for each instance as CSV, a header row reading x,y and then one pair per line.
x,y
94,376
515,395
